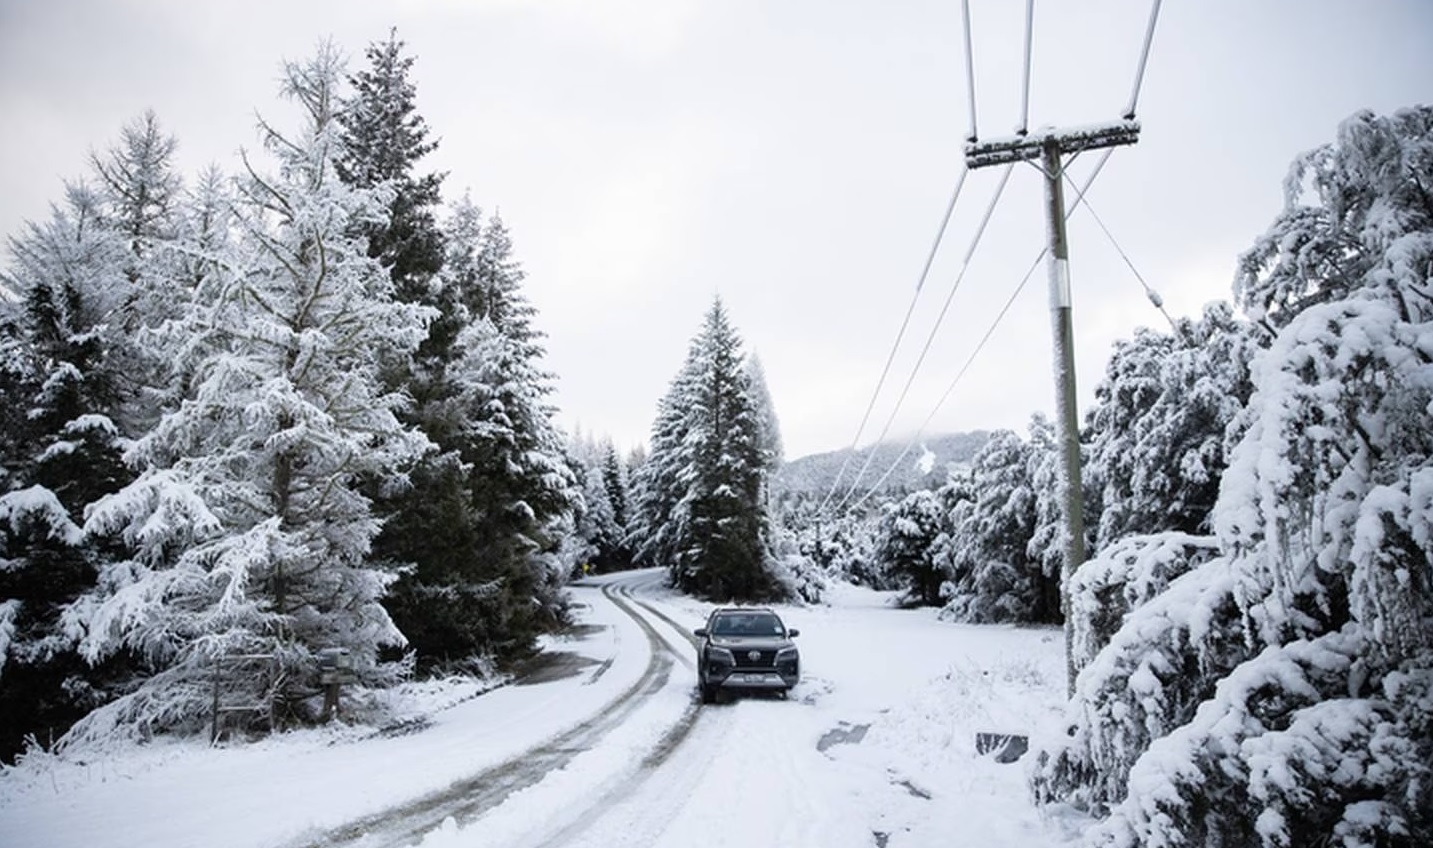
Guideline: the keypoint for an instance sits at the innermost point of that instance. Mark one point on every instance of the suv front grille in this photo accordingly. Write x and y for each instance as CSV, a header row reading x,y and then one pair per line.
x,y
764,659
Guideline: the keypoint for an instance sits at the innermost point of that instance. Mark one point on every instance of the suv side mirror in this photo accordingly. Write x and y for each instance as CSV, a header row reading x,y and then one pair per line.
x,y
792,634
700,631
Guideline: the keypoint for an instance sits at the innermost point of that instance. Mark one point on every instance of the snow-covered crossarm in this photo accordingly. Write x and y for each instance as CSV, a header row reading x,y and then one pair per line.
x,y
1019,148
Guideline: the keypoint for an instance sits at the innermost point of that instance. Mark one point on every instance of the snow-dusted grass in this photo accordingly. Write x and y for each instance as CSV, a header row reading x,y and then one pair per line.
x,y
748,772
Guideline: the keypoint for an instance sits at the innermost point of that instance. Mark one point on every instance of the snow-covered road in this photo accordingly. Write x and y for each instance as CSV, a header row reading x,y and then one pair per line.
x,y
876,747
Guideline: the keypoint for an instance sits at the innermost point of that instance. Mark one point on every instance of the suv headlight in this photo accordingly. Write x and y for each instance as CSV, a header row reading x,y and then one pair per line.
x,y
787,655
720,655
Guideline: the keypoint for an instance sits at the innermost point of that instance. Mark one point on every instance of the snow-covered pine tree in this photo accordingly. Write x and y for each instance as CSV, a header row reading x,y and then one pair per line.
x,y
1158,432
61,352
596,525
384,138
698,505
1281,692
521,486
724,553
615,481
905,542
248,530
660,481
601,521
993,576
430,528
765,414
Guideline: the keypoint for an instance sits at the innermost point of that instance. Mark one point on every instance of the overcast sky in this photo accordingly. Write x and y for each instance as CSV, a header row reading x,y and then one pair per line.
x,y
793,157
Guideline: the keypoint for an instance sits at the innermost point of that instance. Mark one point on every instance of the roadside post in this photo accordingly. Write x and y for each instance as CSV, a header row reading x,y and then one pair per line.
x,y
335,668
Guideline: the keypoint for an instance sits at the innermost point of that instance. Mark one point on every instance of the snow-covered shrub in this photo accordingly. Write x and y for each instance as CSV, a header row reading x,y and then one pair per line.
x,y
1123,578
996,571
801,578
1286,754
904,541
1279,693
1159,433
1156,670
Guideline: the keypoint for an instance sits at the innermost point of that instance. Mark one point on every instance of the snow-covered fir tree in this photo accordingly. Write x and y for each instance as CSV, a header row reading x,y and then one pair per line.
x,y
986,552
616,482
700,506
246,528
1158,433
905,539
1272,683
430,528
765,414
659,482
62,363
522,484
602,524
384,137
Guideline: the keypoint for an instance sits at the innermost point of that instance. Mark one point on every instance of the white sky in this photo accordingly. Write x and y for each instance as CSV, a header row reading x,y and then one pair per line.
x,y
792,156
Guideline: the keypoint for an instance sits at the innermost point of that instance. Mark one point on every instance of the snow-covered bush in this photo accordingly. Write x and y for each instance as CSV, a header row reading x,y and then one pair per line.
x,y
997,572
1287,752
801,578
1148,680
904,541
1159,433
1279,693
1123,578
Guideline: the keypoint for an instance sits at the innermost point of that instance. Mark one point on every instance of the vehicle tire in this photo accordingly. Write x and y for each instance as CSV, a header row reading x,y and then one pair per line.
x,y
708,693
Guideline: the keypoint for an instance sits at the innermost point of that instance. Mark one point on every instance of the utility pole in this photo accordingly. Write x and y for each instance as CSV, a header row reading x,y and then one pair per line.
x,y
1050,147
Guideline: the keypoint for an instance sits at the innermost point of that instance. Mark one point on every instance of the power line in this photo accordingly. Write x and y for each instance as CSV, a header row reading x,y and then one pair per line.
x,y
1071,209
940,319
900,335
951,388
1143,58
1025,88
969,67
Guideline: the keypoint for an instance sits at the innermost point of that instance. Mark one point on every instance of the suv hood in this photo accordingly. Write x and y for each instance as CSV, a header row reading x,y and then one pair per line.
x,y
753,642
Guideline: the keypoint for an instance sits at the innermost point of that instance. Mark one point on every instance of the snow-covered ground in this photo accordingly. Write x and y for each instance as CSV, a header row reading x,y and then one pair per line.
x,y
876,747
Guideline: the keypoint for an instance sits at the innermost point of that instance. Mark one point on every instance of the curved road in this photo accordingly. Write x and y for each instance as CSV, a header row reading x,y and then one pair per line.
x,y
483,794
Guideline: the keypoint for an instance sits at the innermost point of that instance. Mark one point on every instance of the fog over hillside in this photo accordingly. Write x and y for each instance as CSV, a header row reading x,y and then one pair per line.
x,y
925,464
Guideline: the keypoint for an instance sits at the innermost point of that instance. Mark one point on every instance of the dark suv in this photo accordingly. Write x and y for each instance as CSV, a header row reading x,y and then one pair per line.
x,y
746,648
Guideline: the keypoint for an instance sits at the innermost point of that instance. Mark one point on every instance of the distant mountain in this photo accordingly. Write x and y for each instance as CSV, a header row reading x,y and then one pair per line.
x,y
925,466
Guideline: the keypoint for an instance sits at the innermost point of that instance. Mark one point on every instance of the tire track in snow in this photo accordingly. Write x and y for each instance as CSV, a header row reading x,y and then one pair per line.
x,y
468,799
676,784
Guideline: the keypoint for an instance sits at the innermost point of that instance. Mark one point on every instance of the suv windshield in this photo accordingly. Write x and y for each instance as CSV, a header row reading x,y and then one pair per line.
x,y
747,624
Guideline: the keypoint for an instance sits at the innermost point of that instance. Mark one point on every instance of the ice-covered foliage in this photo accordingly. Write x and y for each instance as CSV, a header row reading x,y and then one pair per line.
x,y
1279,693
